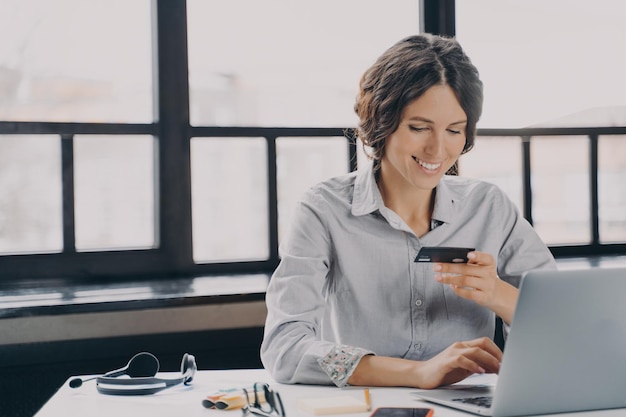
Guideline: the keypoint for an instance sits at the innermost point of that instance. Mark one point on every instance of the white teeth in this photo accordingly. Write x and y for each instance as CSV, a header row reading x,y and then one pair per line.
x,y
426,165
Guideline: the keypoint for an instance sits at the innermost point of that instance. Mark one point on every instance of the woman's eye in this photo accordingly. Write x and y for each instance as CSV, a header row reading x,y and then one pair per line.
x,y
418,129
454,131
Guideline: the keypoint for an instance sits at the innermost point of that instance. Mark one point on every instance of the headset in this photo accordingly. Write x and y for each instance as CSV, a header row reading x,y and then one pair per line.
x,y
141,369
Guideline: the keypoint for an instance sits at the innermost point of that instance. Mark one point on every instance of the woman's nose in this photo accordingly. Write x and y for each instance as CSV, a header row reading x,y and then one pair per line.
x,y
435,144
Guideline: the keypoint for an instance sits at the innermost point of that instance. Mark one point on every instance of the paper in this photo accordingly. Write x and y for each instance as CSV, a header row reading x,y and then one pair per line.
x,y
331,405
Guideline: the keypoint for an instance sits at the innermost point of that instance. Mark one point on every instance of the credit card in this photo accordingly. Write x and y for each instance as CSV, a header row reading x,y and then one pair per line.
x,y
443,254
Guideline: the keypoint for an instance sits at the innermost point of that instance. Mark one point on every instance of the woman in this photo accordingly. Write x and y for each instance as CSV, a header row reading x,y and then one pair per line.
x,y
348,304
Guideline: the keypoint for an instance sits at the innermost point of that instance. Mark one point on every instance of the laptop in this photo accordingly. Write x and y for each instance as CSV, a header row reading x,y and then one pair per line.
x,y
566,350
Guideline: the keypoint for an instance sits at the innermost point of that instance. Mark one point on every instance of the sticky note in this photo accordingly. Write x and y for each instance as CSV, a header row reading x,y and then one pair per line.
x,y
331,405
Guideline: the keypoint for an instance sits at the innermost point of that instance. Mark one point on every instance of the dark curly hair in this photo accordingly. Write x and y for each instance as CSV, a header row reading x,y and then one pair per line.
x,y
401,75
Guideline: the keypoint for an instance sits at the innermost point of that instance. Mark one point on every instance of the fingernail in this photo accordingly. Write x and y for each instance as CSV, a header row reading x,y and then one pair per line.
x,y
471,255
438,277
481,370
437,267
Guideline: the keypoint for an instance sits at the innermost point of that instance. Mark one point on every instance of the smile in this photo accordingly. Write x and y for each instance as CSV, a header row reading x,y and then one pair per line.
x,y
428,166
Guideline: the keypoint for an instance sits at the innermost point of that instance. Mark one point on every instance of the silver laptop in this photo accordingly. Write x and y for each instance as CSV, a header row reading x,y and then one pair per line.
x,y
566,350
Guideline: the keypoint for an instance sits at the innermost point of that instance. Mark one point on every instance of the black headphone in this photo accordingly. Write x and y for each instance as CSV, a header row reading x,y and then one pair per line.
x,y
141,369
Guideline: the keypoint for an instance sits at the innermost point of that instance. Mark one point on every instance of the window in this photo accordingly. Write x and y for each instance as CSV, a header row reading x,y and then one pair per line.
x,y
76,61
560,182
299,65
229,196
91,65
612,192
30,201
497,160
107,172
114,183
555,64
285,63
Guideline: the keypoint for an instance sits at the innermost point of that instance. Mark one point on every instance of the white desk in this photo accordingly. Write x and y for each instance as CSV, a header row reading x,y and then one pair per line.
x,y
187,401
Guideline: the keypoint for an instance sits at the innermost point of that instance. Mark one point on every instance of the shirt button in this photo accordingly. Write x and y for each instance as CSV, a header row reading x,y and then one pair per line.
x,y
418,302
417,346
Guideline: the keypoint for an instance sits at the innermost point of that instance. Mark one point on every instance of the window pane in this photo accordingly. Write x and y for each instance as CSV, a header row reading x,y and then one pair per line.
x,y
286,63
31,197
560,184
553,63
114,192
612,188
76,60
229,199
302,163
497,160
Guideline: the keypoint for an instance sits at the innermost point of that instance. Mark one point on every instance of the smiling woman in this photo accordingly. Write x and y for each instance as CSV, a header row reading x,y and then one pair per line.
x,y
347,304
425,145
386,91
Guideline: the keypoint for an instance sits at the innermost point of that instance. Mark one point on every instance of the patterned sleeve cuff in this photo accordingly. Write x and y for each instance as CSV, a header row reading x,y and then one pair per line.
x,y
341,361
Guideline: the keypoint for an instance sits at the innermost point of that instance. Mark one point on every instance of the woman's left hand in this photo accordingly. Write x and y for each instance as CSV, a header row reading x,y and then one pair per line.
x,y
478,280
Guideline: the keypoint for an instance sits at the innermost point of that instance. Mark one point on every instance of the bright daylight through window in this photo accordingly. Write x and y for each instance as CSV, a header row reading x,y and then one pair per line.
x,y
290,64
297,66
74,67
556,63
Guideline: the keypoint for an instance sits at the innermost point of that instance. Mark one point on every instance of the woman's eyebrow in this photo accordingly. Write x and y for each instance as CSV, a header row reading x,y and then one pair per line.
x,y
425,120
420,119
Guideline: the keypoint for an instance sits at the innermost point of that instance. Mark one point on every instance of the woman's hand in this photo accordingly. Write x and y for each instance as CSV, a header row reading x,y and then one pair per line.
x,y
478,280
460,360
455,363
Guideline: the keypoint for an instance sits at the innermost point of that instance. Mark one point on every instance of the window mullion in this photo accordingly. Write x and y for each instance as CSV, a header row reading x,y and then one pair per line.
x,y
171,95
67,181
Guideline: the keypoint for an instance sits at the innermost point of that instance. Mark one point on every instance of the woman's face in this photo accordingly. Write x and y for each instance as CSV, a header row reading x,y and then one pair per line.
x,y
427,142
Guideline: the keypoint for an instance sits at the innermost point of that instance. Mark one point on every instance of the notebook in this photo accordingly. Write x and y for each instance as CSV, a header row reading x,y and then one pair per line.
x,y
566,350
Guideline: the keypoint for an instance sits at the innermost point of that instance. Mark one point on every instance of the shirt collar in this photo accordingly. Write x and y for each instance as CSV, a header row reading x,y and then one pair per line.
x,y
367,198
446,201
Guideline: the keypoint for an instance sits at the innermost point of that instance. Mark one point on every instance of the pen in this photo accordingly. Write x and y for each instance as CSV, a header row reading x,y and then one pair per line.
x,y
368,400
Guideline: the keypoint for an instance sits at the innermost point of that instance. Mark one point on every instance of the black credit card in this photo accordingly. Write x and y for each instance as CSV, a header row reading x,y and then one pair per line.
x,y
443,254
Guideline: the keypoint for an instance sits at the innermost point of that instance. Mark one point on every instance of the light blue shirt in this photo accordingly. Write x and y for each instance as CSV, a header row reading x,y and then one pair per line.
x,y
347,284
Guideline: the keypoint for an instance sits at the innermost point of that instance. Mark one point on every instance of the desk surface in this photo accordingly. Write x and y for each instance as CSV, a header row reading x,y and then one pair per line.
x,y
187,401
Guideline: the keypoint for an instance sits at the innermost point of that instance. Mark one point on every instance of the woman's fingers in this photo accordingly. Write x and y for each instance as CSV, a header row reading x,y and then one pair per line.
x,y
483,355
477,280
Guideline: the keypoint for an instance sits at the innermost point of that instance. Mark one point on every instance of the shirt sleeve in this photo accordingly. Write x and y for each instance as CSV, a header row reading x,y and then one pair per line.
x,y
340,362
292,349
522,249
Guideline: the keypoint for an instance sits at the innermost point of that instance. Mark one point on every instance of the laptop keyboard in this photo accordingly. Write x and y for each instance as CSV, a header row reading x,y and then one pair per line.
x,y
479,401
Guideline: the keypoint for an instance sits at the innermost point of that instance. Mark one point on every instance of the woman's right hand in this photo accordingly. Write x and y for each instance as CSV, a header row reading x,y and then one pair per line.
x,y
455,363
458,361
